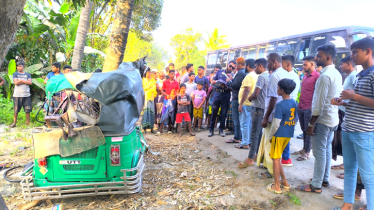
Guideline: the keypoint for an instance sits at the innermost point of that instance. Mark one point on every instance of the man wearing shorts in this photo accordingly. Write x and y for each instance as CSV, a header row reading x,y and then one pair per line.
x,y
21,95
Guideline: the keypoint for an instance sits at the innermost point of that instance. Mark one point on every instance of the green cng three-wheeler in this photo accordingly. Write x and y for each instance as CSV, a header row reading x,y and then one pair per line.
x,y
90,144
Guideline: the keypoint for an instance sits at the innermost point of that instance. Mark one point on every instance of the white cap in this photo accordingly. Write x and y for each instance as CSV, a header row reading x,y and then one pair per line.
x,y
154,71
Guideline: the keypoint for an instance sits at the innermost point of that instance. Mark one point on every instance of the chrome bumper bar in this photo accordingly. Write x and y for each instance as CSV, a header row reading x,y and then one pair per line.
x,y
129,185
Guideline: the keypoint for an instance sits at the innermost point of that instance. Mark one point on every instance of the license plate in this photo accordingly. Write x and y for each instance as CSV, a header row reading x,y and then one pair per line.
x,y
70,162
116,139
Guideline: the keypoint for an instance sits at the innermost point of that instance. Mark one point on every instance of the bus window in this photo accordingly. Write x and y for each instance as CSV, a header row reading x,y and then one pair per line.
x,y
245,52
224,59
237,53
252,52
287,47
231,55
234,54
317,41
212,60
261,51
338,39
270,48
219,57
304,49
357,37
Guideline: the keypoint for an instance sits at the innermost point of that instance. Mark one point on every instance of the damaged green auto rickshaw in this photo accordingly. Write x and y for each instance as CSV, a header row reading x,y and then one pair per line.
x,y
90,144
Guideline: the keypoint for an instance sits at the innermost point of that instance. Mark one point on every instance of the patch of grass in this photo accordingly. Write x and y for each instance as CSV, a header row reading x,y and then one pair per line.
x,y
294,199
15,152
232,207
232,173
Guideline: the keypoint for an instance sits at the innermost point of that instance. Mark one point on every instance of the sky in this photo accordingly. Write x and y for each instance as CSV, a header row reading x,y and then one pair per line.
x,y
248,21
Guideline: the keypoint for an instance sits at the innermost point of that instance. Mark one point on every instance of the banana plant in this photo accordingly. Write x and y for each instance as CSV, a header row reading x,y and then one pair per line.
x,y
9,78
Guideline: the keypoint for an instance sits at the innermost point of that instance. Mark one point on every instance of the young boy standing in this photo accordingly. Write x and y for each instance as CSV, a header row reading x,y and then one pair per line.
x,y
184,101
281,132
21,95
198,100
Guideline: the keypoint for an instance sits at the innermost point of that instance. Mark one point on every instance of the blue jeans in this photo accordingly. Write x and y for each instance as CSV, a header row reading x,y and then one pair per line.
x,y
236,120
220,99
246,124
286,152
358,150
322,152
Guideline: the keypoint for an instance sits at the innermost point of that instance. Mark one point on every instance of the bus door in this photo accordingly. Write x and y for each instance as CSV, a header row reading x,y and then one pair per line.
x,y
304,49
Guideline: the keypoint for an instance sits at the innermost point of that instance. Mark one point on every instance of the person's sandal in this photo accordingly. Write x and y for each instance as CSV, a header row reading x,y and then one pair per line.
x,y
244,165
12,125
301,152
312,189
268,188
302,157
336,167
340,196
340,176
158,134
267,175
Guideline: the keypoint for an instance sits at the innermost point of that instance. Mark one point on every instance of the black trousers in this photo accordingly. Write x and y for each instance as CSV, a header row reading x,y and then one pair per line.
x,y
304,118
220,99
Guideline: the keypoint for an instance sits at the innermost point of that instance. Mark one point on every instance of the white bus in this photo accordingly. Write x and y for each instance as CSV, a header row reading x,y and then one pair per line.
x,y
300,45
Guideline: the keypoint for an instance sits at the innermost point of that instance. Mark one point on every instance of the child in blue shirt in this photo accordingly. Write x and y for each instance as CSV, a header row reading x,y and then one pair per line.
x,y
281,132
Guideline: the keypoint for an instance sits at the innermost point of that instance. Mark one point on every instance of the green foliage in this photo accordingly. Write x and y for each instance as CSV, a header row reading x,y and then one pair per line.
x,y
294,199
6,114
215,41
185,46
137,48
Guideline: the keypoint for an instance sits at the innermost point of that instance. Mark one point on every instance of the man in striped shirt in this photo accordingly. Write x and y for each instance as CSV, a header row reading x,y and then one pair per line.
x,y
358,125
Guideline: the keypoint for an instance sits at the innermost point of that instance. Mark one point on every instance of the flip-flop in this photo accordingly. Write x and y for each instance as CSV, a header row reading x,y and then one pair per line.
x,y
268,188
302,158
244,165
340,196
169,132
324,184
239,146
340,176
267,174
284,187
158,134
312,189
298,152
232,141
337,167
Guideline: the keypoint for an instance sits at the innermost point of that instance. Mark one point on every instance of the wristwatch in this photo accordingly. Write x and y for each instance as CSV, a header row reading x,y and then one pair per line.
x,y
310,125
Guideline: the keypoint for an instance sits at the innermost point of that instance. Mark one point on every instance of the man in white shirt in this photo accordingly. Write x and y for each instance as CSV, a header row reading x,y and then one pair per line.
x,y
274,64
287,64
325,118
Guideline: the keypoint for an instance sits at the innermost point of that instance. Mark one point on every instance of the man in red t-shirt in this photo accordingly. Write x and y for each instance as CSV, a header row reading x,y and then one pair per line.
x,y
170,89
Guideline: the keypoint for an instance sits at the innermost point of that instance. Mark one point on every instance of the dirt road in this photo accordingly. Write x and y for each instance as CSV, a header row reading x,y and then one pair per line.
x,y
191,173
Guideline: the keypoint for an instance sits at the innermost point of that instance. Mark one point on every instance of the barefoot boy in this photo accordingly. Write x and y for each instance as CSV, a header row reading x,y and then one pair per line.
x,y
282,129
198,100
21,95
184,101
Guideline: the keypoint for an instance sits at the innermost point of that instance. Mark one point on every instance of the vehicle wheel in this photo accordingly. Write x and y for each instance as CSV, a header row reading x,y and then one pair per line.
x,y
2,204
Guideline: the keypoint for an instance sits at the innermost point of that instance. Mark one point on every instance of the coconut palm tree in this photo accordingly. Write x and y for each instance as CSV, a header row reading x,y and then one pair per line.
x,y
119,34
80,41
215,41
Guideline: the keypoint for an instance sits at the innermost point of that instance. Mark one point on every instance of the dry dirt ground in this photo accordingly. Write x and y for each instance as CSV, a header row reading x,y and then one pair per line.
x,y
190,173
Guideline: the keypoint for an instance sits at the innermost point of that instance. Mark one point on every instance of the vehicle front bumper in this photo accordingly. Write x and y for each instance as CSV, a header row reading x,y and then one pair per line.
x,y
129,185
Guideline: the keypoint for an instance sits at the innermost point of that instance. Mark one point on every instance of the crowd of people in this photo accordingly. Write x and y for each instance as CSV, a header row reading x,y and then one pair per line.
x,y
261,101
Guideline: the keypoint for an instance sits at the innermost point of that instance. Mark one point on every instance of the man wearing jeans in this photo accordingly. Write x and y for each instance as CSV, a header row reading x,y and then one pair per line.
x,y
235,82
305,105
325,118
257,114
358,126
245,106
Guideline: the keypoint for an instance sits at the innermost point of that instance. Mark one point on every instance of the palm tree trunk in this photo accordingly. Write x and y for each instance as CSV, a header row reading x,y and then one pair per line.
x,y
11,12
119,34
80,40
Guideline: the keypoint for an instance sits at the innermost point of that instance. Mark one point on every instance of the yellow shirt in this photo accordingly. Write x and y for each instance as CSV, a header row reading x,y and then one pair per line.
x,y
249,81
149,86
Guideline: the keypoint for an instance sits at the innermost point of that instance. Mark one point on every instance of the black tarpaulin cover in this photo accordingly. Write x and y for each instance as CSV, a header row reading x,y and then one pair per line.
x,y
122,96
